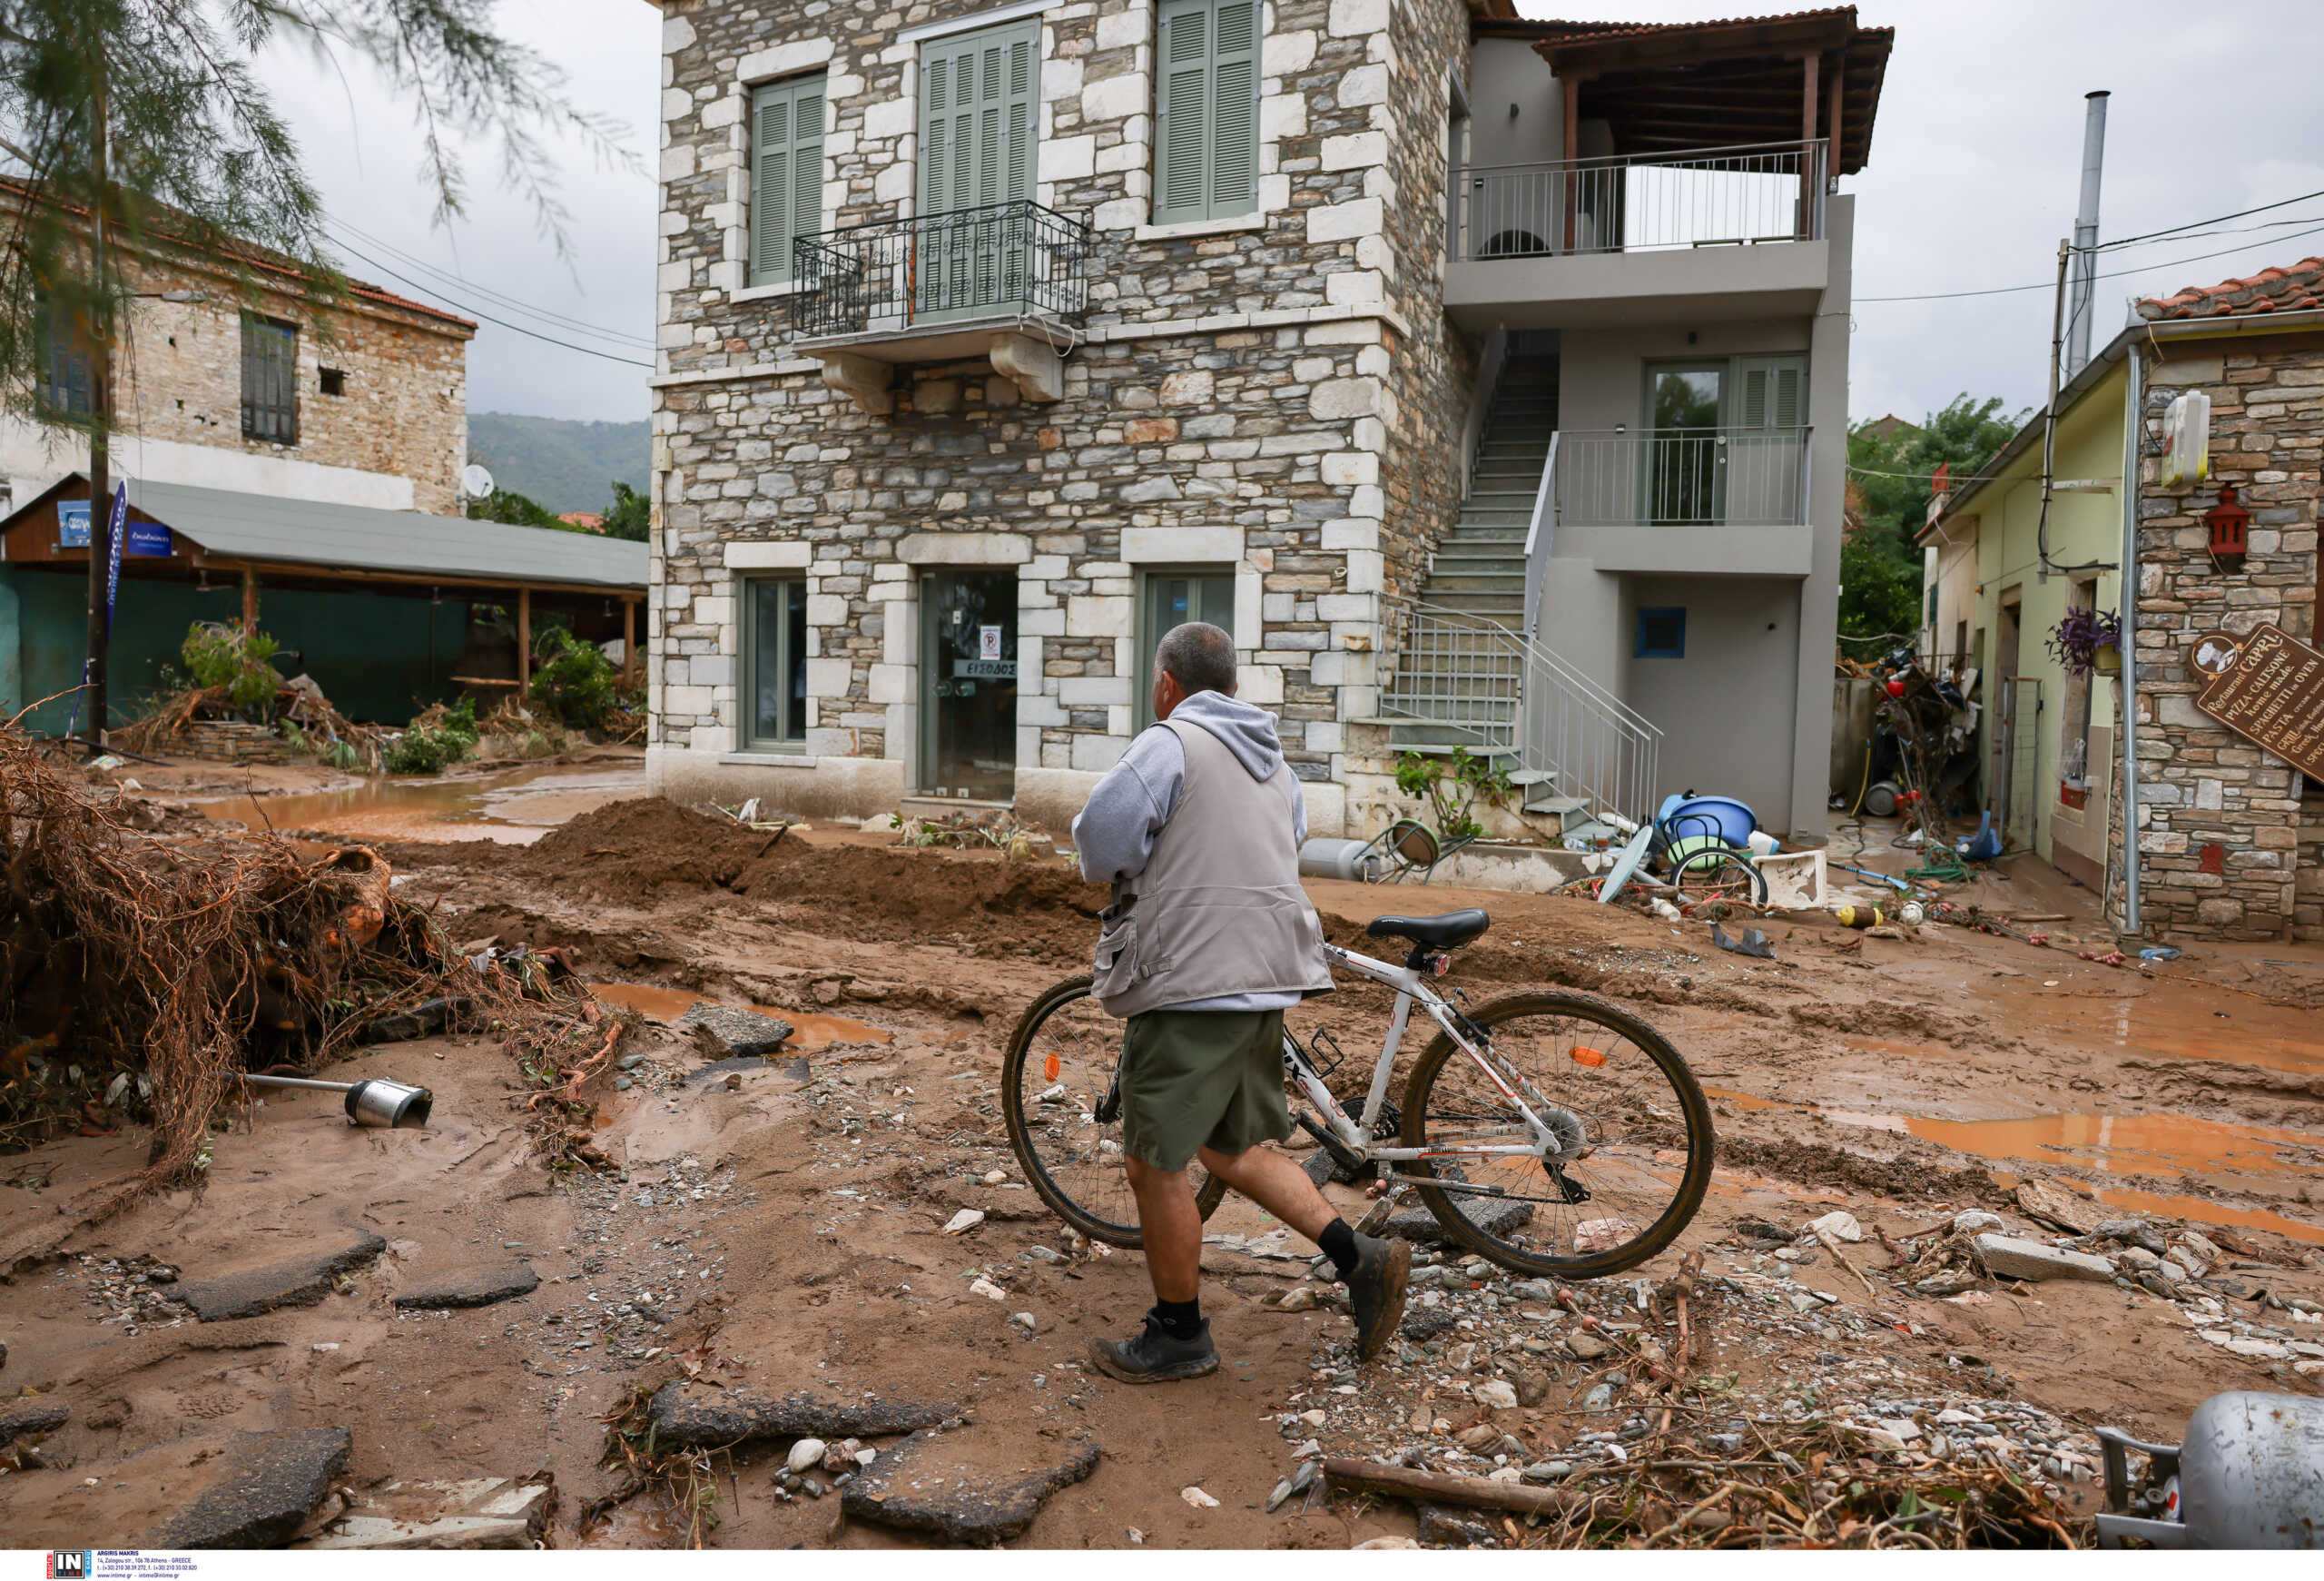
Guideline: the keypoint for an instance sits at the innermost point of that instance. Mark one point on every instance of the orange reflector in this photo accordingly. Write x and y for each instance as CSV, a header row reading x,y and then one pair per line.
x,y
1593,1058
1048,1067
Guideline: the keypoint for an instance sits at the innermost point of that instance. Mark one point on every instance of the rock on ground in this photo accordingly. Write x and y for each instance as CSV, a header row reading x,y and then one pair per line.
x,y
480,1286
698,1416
484,1512
267,1485
2010,1257
961,1489
732,1032
296,1281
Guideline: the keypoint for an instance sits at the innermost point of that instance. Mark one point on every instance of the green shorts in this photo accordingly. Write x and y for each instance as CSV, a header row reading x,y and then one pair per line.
x,y
1202,1078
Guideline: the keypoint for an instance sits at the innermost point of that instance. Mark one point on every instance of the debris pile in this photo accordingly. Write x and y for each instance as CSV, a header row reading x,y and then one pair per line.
x,y
140,974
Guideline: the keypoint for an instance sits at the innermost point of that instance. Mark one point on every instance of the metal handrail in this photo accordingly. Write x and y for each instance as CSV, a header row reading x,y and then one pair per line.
x,y
1735,194
1518,699
992,259
1682,477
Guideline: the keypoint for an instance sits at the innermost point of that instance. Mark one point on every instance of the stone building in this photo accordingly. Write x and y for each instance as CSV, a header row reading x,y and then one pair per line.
x,y
2229,836
1485,377
250,380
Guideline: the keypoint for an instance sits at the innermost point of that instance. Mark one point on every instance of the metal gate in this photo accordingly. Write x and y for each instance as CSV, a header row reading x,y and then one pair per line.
x,y
2017,778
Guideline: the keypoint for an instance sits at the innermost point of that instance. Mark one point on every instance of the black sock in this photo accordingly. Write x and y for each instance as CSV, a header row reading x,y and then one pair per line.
x,y
1179,1319
1338,1241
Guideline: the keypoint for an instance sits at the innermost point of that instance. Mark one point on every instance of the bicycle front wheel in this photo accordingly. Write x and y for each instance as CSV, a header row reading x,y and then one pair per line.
x,y
1063,1110
1634,1128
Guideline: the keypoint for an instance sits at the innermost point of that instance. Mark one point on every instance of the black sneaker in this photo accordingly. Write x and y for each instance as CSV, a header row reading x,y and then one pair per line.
x,y
1376,1290
1151,1356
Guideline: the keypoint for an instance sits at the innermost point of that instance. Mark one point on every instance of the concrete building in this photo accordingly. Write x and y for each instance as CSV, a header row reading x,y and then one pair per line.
x,y
1487,377
2229,836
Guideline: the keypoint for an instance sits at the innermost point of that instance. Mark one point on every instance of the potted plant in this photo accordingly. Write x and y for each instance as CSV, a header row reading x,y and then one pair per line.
x,y
2087,640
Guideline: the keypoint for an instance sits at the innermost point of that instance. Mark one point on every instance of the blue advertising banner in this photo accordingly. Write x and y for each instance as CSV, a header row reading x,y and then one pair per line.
x,y
143,538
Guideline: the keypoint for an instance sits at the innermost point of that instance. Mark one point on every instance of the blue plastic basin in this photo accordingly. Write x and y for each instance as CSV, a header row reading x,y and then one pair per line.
x,y
1699,816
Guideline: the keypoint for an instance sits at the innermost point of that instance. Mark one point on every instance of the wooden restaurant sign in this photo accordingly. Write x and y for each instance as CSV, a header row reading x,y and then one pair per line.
x,y
2268,687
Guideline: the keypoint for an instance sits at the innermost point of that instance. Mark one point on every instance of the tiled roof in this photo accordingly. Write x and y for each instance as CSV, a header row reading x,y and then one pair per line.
x,y
1585,31
2293,288
262,258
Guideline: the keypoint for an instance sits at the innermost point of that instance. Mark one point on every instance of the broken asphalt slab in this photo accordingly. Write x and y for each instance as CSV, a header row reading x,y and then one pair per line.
x,y
730,1032
1494,1216
205,1490
296,1281
699,1417
952,1485
40,1417
480,1286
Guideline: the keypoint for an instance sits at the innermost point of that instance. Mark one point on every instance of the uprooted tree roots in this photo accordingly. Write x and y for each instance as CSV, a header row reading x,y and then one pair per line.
x,y
141,975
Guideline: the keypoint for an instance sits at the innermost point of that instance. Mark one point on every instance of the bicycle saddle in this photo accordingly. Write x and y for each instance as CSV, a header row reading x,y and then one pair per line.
x,y
1443,932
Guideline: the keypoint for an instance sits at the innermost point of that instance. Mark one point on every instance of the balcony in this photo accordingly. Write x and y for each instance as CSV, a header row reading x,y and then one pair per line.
x,y
1695,502
1699,234
1004,281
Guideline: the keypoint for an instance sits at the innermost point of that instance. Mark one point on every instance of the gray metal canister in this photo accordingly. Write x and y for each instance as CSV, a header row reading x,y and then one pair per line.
x,y
1353,860
2251,1472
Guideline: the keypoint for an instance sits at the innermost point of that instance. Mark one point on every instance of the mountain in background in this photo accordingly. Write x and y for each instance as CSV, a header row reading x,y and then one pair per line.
x,y
559,463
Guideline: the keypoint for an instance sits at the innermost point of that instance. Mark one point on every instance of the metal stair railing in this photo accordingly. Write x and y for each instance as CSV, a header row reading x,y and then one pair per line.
x,y
1476,678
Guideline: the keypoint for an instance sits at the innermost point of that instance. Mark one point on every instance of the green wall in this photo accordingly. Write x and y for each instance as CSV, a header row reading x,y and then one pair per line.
x,y
368,651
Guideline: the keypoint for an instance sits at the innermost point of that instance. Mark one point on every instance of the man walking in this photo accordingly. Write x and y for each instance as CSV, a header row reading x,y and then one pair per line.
x,y
1207,940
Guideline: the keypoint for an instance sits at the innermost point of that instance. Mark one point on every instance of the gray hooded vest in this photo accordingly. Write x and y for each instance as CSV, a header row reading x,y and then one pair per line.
x,y
1218,909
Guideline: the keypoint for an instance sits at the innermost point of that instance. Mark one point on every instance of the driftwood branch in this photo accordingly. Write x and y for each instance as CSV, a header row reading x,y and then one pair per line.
x,y
1440,1488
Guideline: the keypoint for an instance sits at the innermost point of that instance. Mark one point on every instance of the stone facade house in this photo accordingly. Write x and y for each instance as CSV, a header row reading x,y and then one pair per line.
x,y
2229,837
1486,378
238,375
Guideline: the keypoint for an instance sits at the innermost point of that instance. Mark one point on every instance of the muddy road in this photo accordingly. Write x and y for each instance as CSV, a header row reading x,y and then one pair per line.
x,y
779,1229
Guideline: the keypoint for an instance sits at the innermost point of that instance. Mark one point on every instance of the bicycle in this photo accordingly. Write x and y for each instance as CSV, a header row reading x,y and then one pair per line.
x,y
1592,1181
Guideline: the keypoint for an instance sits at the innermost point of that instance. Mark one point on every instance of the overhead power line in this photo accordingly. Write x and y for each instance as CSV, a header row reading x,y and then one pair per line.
x,y
462,282
2215,220
477,312
2111,274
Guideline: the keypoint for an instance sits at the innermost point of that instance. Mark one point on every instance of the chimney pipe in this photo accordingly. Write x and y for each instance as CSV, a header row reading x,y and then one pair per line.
x,y
2085,234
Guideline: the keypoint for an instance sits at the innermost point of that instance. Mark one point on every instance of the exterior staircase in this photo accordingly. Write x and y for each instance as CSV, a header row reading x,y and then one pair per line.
x,y
1468,677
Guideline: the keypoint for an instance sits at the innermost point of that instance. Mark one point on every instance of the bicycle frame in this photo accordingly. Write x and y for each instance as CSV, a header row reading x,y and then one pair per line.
x,y
1355,1131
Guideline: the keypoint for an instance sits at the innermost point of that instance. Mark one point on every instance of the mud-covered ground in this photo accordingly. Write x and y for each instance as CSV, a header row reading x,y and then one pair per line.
x,y
783,1231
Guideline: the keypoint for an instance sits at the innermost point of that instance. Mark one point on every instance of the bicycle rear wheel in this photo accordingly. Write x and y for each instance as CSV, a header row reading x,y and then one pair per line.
x,y
1644,1132
1057,1096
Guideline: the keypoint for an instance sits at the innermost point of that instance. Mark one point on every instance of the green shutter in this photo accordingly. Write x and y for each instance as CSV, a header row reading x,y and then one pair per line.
x,y
1235,109
977,109
1206,156
1772,392
786,172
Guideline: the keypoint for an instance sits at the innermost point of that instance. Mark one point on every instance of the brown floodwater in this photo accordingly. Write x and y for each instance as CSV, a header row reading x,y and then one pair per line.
x,y
809,1030
2122,1144
515,807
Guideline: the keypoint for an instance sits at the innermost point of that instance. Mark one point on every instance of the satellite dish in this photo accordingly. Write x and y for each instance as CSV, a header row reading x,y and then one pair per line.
x,y
475,482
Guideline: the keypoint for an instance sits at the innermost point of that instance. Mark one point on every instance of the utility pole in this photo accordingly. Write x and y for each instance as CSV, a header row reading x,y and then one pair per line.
x,y
99,402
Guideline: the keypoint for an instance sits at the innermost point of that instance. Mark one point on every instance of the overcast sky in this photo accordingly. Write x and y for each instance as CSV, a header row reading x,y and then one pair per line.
x,y
1975,161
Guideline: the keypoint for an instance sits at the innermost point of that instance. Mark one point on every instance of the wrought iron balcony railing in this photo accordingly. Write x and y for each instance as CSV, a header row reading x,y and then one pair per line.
x,y
1697,197
935,269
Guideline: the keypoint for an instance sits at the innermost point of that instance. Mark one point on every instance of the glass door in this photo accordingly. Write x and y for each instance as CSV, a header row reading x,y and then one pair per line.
x,y
967,648
1172,598
1685,458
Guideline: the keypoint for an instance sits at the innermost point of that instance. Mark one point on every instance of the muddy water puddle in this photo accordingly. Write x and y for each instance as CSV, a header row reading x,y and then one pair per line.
x,y
2121,1144
809,1030
512,808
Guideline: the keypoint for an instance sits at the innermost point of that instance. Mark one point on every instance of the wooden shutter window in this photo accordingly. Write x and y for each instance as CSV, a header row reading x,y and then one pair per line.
x,y
786,172
1208,104
270,380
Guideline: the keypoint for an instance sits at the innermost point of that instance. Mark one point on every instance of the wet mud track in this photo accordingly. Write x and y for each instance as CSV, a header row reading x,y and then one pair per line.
x,y
783,1231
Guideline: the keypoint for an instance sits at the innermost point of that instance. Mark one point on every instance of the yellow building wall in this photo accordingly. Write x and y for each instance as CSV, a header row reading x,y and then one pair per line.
x,y
2085,527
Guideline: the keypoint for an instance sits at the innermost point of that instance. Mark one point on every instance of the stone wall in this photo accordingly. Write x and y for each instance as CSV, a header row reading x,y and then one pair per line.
x,y
1245,394
402,414
2219,818
2308,878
